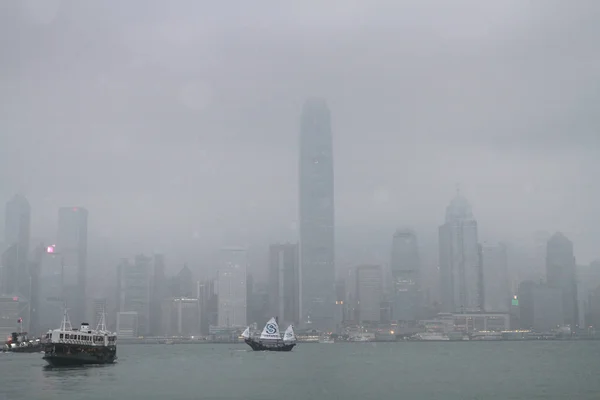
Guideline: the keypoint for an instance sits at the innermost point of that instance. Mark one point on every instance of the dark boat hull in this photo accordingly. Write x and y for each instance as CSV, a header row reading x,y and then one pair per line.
x,y
64,356
278,346
25,349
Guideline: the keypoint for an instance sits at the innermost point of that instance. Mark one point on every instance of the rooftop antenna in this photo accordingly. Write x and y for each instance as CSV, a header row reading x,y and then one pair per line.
x,y
66,323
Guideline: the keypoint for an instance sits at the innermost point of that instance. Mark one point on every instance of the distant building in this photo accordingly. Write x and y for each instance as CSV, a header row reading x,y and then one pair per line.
x,y
71,245
158,295
405,268
588,283
540,306
51,293
209,305
98,307
561,273
460,269
134,290
284,283
185,284
11,309
341,304
592,317
316,217
127,325
369,292
182,317
14,274
495,293
231,283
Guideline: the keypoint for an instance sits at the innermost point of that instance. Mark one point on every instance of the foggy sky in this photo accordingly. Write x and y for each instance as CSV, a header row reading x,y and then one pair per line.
x,y
177,122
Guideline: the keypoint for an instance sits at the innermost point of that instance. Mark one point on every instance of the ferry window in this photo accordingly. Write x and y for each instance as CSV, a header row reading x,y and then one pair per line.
x,y
61,335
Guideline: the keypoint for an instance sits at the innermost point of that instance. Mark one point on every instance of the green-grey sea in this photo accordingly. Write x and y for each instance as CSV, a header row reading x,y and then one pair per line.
x,y
435,370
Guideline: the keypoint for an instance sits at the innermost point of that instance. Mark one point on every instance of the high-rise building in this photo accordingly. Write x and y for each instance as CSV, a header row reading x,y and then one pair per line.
x,y
317,228
540,306
284,282
51,290
405,268
561,273
182,317
186,286
14,277
159,293
496,293
369,292
460,269
231,286
71,245
134,290
127,325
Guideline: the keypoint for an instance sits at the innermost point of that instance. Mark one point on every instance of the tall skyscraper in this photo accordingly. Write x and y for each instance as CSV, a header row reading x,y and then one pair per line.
x,y
316,209
405,268
561,273
460,269
496,292
71,245
369,292
14,279
231,285
284,282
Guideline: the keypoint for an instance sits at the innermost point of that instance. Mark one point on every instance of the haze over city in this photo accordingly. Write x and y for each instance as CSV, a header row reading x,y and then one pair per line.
x,y
400,195
177,127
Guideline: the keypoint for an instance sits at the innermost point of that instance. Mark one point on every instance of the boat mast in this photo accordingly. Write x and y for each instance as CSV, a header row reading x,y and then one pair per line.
x,y
66,323
102,323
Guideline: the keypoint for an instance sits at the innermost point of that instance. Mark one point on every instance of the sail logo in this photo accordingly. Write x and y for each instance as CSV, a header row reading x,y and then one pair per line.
x,y
271,329
289,334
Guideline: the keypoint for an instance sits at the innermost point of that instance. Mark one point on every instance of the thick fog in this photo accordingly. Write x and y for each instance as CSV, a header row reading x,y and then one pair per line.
x,y
176,123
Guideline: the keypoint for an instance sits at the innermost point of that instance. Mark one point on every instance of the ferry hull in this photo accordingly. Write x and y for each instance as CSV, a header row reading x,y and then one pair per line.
x,y
258,346
63,356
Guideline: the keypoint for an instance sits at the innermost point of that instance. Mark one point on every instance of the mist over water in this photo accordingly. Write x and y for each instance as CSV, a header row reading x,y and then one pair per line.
x,y
168,132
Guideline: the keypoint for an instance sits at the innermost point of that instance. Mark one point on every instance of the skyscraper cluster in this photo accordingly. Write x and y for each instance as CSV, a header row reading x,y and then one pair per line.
x,y
301,288
37,284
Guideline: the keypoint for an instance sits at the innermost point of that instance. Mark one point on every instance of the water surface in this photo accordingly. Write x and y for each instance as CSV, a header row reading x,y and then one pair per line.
x,y
448,371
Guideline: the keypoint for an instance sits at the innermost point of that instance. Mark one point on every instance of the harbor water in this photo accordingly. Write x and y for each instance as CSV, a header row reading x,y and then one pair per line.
x,y
443,370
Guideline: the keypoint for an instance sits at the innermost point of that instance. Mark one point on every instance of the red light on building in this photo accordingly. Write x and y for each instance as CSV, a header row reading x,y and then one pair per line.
x,y
50,249
15,298
75,209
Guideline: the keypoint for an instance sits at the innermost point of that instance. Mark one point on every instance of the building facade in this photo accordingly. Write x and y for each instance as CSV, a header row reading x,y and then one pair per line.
x,y
14,274
231,287
561,273
71,247
460,269
369,293
134,290
496,292
284,283
405,269
316,216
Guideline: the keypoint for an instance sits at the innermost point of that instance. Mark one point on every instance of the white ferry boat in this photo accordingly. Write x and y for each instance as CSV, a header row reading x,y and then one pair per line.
x,y
67,346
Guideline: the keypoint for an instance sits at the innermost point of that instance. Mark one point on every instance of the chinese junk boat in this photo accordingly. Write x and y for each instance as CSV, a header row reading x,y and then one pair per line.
x,y
71,347
270,338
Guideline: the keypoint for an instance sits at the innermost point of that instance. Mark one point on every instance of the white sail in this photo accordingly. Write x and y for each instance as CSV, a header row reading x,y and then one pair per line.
x,y
271,330
289,335
246,333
